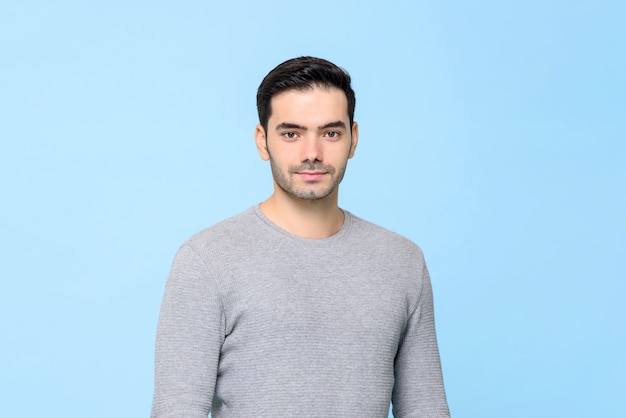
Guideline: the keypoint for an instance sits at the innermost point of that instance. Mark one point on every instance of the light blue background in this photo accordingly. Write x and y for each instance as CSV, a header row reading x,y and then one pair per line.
x,y
492,134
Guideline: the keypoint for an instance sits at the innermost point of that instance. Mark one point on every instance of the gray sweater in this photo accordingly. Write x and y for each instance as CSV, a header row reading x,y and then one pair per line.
x,y
257,322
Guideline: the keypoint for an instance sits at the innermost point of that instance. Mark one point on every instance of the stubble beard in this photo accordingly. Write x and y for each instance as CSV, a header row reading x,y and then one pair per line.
x,y
285,180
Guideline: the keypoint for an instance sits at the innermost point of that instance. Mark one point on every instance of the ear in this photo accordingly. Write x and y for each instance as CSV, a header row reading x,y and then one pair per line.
x,y
261,142
355,139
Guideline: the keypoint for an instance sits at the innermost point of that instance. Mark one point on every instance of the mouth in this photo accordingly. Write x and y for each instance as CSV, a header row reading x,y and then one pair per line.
x,y
311,175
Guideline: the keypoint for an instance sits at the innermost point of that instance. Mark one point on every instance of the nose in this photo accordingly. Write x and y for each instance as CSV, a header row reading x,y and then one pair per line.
x,y
312,149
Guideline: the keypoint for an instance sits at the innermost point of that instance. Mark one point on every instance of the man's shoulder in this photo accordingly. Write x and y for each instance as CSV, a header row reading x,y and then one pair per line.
x,y
380,236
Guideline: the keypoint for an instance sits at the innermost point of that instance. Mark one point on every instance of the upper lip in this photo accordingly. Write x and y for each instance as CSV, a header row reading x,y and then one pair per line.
x,y
311,172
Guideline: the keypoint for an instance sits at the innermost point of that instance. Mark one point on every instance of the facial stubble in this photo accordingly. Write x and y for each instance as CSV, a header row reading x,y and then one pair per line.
x,y
286,180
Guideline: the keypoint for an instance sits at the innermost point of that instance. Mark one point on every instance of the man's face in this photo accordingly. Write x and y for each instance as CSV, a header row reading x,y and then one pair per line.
x,y
308,142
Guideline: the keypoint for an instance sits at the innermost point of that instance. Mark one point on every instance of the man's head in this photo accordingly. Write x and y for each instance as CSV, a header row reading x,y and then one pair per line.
x,y
306,129
303,73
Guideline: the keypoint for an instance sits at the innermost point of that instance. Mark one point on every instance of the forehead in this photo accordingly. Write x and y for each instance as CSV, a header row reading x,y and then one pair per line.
x,y
314,105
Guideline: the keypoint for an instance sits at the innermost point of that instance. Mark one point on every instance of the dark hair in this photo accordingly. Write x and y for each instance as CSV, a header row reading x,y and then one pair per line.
x,y
302,73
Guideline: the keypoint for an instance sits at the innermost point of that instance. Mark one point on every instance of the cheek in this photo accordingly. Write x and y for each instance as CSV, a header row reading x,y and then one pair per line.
x,y
279,158
283,153
345,154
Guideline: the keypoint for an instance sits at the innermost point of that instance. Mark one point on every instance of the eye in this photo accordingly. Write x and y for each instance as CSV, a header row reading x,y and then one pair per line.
x,y
333,135
290,136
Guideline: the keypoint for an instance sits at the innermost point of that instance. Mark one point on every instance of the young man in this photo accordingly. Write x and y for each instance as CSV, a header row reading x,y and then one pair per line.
x,y
295,307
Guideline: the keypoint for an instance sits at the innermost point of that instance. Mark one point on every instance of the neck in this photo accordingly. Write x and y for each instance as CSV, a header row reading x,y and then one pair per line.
x,y
314,219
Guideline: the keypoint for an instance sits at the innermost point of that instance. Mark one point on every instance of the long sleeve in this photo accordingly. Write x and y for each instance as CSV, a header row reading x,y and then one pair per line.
x,y
189,338
418,389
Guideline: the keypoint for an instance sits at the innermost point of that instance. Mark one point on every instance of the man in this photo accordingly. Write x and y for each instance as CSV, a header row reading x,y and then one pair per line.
x,y
295,307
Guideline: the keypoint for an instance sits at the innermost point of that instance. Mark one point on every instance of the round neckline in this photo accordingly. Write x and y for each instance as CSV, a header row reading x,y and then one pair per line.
x,y
339,236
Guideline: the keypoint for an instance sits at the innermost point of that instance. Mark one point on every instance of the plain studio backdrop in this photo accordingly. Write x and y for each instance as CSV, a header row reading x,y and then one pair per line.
x,y
492,134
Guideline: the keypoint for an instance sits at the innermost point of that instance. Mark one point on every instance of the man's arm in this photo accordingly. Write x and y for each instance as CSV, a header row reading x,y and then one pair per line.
x,y
418,390
189,337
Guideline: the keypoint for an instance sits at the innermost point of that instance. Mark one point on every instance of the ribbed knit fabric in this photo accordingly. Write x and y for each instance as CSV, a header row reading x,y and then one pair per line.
x,y
257,322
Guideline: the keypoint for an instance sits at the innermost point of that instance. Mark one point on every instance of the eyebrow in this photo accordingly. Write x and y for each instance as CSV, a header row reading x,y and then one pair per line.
x,y
287,125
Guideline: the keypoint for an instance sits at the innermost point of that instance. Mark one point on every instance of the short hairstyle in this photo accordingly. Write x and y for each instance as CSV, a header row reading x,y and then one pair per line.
x,y
302,73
